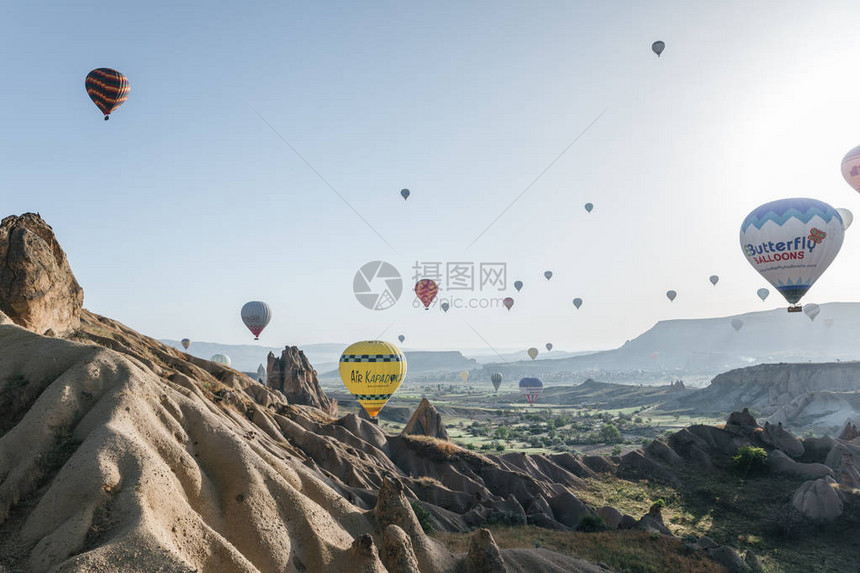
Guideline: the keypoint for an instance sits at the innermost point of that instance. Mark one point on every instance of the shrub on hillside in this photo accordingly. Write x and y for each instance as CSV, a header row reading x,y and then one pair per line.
x,y
750,460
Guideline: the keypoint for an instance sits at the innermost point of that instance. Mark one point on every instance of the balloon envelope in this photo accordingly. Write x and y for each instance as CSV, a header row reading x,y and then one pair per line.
x,y
589,207
496,379
547,274
518,285
261,374
404,193
401,338
531,388
714,279
533,352
791,242
508,302
811,310
107,88
256,316
658,47
372,371
221,359
549,346
737,324
577,302
671,295
828,322
847,216
762,293
426,291
851,168
464,375
185,343
445,306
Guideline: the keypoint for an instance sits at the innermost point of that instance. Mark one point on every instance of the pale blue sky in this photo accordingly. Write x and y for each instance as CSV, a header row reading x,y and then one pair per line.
x,y
185,205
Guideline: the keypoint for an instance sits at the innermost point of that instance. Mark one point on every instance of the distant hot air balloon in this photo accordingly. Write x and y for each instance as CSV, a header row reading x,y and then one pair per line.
x,y
445,306
791,242
185,343
549,346
670,294
518,285
811,310
401,338
851,168
589,207
496,379
547,274
464,375
714,279
828,322
737,324
426,291
762,293
405,194
107,88
847,216
577,302
508,302
222,359
256,315
372,371
531,388
261,374
533,352
658,47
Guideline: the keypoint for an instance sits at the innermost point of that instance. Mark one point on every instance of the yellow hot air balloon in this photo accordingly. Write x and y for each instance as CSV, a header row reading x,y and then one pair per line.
x,y
464,375
372,371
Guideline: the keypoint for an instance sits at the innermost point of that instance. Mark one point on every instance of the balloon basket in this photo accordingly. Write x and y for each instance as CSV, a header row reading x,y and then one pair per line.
x,y
797,308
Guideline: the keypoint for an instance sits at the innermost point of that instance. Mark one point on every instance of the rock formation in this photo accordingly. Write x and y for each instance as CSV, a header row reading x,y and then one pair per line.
x,y
818,500
293,375
484,555
848,432
426,421
37,288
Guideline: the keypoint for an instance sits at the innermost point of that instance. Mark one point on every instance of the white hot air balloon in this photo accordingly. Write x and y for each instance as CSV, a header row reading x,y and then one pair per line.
x,y
763,293
256,316
847,216
791,242
811,310
851,168
222,359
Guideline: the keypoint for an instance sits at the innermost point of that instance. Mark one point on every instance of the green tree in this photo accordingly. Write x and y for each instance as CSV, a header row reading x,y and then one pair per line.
x,y
610,434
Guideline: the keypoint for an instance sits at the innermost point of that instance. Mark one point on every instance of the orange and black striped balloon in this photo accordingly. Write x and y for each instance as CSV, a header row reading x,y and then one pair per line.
x,y
107,88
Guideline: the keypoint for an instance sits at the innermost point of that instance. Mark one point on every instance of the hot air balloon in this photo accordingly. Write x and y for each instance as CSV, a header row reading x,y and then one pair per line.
x,y
811,310
464,375
851,168
372,371
221,359
518,285
107,88
186,342
737,324
401,338
496,379
847,216
549,346
531,388
577,302
658,47
426,291
828,322
762,293
404,193
714,279
547,274
508,302
589,207
791,242
256,315
445,306
533,352
670,294
261,374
